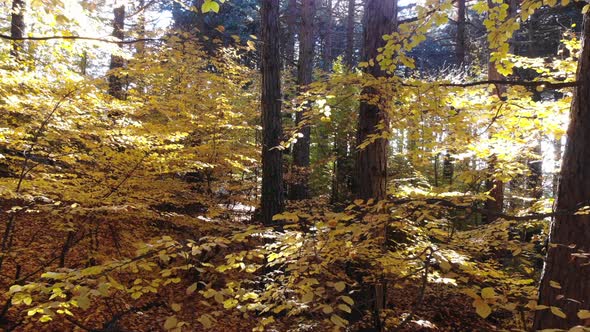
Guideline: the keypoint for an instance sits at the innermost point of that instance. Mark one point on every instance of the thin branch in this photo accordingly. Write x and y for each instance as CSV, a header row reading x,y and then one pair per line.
x,y
534,216
547,84
420,298
104,40
127,176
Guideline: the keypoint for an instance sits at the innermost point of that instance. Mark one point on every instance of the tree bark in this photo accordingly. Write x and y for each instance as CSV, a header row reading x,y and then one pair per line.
x,y
17,27
350,20
460,42
291,22
116,80
327,54
380,19
272,200
570,234
299,189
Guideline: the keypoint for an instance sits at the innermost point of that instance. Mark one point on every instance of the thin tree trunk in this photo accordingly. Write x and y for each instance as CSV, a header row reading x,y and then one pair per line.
x,y
380,19
272,200
327,56
17,27
460,43
535,179
299,189
350,19
116,80
570,234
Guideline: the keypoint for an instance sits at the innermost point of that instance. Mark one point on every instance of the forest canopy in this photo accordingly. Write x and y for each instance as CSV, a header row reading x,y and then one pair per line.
x,y
295,165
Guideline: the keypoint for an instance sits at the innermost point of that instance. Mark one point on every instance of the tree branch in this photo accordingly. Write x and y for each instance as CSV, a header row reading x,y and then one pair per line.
x,y
547,84
104,40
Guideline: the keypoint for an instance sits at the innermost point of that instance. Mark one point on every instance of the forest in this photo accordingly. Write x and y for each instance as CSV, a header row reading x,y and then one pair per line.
x,y
295,165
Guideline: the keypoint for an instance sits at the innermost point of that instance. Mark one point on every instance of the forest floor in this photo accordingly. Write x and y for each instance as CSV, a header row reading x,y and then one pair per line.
x,y
114,232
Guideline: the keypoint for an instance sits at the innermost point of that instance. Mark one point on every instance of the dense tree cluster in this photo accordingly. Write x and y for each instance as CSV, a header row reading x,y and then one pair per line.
x,y
295,165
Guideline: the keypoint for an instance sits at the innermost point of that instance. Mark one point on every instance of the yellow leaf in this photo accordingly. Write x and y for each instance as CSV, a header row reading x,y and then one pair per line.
x,y
176,307
348,300
584,314
482,308
554,284
338,321
488,293
344,308
340,286
557,312
170,323
308,297
205,321
191,289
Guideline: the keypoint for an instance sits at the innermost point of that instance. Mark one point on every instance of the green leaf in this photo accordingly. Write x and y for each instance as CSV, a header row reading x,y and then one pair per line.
x,y
210,5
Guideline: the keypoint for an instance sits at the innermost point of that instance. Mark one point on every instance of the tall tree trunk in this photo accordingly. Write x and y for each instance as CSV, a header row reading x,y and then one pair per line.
x,y
327,55
570,234
460,42
140,46
494,186
299,189
291,22
380,19
116,80
350,20
272,200
17,27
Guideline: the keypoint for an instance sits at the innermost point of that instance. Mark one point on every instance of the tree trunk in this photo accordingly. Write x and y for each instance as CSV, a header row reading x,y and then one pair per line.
x,y
460,43
380,19
116,80
350,19
557,165
17,27
570,234
494,186
299,189
535,179
291,21
272,200
327,54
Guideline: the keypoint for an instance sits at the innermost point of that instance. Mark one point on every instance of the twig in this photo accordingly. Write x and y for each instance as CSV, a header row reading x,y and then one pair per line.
x,y
127,176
